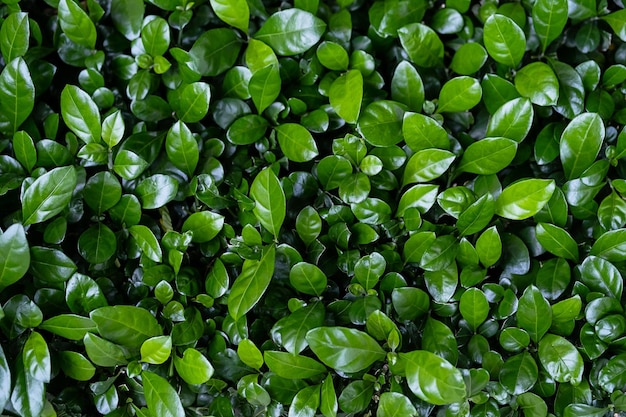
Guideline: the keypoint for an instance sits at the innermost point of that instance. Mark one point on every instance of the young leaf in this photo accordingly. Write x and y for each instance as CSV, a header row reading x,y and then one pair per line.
x,y
459,94
269,197
14,36
194,102
407,86
125,325
291,366
182,148
538,82
344,349
346,94
549,19
161,397
296,142
488,156
146,240
17,95
233,12
580,143
534,313
252,283
81,113
524,198
76,24
48,195
433,379
264,87
512,120
194,368
504,40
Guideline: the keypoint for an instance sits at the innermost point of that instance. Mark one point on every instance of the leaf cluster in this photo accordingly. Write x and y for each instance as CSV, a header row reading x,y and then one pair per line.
x,y
293,208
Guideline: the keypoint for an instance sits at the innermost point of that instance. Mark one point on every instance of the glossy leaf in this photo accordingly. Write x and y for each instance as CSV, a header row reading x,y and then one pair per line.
x,y
292,31
433,379
14,255
459,94
76,24
81,114
549,20
14,35
296,142
125,325
235,13
250,285
343,349
161,398
561,359
538,82
580,143
345,95
533,313
512,120
269,197
488,156
48,195
524,198
504,40
557,241
17,95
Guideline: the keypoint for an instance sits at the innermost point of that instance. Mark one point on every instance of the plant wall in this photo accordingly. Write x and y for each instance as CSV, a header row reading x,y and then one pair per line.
x,y
272,208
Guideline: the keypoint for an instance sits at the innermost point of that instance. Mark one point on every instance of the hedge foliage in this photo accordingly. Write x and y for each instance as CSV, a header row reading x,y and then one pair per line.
x,y
346,207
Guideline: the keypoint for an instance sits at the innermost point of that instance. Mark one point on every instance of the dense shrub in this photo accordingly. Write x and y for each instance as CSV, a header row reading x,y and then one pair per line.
x,y
249,208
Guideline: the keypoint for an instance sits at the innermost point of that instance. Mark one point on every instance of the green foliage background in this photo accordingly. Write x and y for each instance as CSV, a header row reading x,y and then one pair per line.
x,y
343,207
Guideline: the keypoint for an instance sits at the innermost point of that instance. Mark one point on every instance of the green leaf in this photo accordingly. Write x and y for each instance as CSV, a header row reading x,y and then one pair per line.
x,y
264,87
395,404
28,394
305,402
380,123
290,331
5,379
459,94
617,21
247,129
538,82
346,94
474,307
182,148
48,195
488,156
126,325
422,45
423,132
17,95
194,102
328,401
519,373
611,246
308,224
407,86
561,359
194,368
549,20
574,410
557,241
113,129
156,350
155,36
512,120
235,13
204,225
410,303
602,276
270,202
369,269
344,349
69,326
332,56
580,143
146,241
81,114
161,397
612,376
36,358
307,278
156,191
102,352
292,366
524,198
427,165
612,212
250,354
420,196
469,58
504,40
296,142
102,191
14,255
534,313
76,366
76,24
252,283
291,32
129,165
215,51
433,379
127,16
14,36
489,247
97,244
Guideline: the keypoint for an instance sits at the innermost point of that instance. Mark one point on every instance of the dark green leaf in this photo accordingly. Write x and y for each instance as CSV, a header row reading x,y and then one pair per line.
x,y
127,16
343,349
156,191
422,44
557,241
76,24
69,326
519,373
48,195
252,283
549,20
14,255
215,51
580,143
407,86
534,313
17,95
561,359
